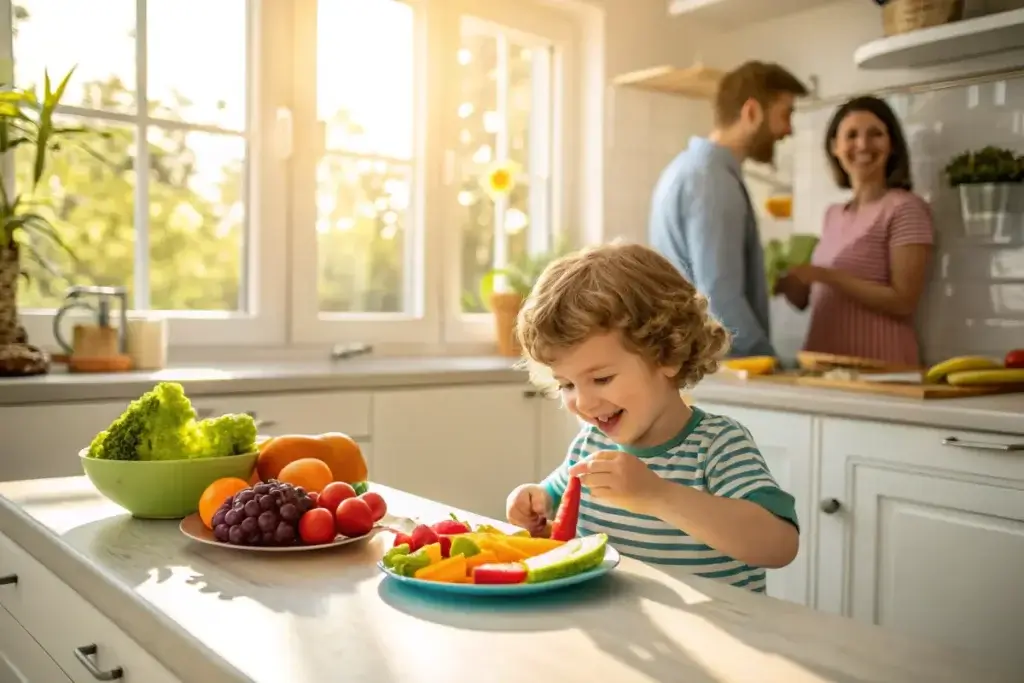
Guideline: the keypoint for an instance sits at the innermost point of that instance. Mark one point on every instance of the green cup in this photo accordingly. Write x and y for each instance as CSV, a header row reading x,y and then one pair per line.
x,y
162,489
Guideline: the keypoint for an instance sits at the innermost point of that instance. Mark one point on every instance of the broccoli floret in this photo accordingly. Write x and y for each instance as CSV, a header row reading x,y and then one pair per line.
x,y
161,425
225,435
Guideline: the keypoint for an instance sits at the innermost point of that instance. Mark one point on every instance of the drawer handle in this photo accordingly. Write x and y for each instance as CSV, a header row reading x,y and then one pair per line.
x,y
85,653
982,445
9,580
531,393
830,506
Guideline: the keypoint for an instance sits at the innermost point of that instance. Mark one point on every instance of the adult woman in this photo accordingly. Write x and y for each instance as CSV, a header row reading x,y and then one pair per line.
x,y
869,269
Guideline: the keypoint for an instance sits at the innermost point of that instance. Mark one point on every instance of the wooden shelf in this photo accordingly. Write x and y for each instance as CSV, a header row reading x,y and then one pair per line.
x,y
698,81
955,42
726,15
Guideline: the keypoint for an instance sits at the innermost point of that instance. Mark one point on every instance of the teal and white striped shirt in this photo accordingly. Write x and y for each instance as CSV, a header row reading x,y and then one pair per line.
x,y
713,453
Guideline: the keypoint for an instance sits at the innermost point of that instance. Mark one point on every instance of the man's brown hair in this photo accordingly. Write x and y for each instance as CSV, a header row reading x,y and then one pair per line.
x,y
761,81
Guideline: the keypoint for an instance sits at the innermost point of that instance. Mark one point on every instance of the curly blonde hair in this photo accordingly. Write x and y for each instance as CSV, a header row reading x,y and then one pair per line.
x,y
627,288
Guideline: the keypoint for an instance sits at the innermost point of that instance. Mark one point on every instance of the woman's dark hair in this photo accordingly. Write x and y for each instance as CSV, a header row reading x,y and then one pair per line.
x,y
897,167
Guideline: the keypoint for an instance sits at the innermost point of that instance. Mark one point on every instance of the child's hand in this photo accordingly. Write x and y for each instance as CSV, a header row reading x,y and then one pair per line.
x,y
620,479
528,506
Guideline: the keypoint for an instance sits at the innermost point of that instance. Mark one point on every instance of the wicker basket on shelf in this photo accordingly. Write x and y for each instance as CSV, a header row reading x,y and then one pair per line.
x,y
904,16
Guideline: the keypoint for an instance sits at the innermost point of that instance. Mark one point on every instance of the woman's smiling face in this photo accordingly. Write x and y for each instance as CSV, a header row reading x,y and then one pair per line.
x,y
862,146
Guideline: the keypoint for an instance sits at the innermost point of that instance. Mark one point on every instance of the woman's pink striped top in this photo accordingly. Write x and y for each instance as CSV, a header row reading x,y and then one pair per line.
x,y
858,240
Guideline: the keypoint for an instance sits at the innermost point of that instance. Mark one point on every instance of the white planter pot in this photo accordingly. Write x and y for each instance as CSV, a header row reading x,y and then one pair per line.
x,y
992,210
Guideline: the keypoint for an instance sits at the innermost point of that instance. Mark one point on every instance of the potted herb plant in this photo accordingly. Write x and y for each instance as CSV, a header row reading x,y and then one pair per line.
x,y
503,291
26,124
991,186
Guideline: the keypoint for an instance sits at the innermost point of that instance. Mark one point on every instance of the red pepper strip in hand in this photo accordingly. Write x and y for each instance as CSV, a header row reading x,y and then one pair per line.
x,y
564,526
505,573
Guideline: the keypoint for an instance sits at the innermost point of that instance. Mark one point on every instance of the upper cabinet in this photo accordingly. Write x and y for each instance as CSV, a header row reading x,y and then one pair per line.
x,y
957,41
725,15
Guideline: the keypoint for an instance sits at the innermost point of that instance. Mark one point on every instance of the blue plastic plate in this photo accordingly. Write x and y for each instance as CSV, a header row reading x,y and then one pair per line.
x,y
611,560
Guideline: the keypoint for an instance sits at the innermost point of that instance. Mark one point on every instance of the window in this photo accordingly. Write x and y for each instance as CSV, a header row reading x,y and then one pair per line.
x,y
320,180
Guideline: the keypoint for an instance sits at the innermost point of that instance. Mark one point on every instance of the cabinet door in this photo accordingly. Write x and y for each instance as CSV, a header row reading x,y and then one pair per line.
x,y
558,428
467,447
312,412
22,660
41,441
924,535
784,440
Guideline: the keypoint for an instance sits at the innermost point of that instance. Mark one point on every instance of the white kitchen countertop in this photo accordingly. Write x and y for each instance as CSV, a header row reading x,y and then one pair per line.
x,y
211,614
1003,413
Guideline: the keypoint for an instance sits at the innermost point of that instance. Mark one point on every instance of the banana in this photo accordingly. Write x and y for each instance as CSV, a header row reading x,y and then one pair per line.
x,y
939,371
966,378
754,365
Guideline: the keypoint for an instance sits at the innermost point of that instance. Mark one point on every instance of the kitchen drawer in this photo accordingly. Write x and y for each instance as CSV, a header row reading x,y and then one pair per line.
x,y
61,621
22,660
43,441
305,413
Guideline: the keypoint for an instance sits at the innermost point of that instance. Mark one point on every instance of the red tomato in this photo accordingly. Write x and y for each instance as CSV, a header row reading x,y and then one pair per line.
x,y
334,493
353,518
1015,359
377,505
316,526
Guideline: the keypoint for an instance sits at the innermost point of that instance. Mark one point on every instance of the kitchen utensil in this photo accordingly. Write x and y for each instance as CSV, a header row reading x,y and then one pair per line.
x,y
193,527
97,347
611,560
162,489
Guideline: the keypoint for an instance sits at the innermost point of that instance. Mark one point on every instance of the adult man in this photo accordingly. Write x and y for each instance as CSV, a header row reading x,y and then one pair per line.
x,y
701,216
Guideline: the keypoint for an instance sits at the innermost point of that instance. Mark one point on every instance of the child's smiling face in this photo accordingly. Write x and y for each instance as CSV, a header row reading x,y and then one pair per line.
x,y
628,398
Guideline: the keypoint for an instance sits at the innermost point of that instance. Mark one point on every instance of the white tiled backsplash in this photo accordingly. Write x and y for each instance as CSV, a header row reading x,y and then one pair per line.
x,y
975,297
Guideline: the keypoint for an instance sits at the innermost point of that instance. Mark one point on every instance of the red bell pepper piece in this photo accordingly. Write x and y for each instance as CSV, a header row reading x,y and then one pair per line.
x,y
504,573
564,526
450,527
401,538
446,545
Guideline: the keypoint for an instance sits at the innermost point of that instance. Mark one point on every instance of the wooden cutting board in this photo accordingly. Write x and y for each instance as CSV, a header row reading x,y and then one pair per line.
x,y
921,391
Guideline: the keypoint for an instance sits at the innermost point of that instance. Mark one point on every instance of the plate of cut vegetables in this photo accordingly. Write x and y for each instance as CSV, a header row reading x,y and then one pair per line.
x,y
451,556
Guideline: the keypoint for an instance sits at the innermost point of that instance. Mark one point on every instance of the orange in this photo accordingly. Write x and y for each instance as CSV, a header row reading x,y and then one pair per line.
x,y
309,473
215,495
348,463
338,451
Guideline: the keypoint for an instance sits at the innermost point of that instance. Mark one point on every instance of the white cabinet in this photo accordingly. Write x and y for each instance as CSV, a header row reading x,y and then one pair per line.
x,y
922,530
785,442
466,446
22,660
557,430
313,412
74,635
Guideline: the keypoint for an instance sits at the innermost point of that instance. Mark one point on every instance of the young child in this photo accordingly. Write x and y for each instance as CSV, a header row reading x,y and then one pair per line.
x,y
620,332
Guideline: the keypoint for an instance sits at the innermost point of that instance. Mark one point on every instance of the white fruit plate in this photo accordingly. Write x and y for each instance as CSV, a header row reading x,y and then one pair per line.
x,y
193,527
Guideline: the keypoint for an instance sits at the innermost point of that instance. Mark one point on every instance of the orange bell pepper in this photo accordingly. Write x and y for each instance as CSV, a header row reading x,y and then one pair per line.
x,y
450,570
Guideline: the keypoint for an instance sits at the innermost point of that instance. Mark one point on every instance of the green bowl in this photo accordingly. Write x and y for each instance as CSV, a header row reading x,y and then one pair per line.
x,y
162,489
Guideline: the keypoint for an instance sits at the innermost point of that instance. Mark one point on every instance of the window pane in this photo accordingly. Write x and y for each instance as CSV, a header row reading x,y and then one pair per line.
x,y
498,117
186,84
362,221
365,76
97,36
91,203
196,220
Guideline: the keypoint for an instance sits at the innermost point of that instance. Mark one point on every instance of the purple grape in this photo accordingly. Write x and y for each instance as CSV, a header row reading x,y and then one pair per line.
x,y
289,512
249,526
267,521
305,505
244,496
300,492
261,489
285,534
267,502
255,537
218,517
252,509
236,536
221,532
233,516
267,538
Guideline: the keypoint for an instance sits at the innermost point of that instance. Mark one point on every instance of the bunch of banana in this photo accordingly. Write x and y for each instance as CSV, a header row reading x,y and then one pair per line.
x,y
973,371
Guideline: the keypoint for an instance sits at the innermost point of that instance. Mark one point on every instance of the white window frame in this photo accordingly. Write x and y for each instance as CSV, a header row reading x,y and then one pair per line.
x,y
531,23
281,263
263,263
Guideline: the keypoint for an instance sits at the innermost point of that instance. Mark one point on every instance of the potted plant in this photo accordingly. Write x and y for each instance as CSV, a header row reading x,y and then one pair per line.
x,y
26,124
503,291
991,186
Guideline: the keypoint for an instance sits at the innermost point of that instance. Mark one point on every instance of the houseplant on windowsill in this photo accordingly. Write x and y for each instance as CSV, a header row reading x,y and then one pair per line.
x,y
503,291
991,186
26,122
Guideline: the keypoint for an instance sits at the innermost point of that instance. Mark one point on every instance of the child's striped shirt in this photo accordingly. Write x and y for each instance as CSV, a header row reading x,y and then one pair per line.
x,y
712,453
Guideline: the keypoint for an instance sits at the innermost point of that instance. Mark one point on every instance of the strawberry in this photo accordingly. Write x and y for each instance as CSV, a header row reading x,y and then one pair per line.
x,y
453,526
422,535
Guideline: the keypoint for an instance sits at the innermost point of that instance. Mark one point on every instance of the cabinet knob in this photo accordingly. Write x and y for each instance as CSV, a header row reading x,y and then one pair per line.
x,y
9,580
85,653
830,506
531,393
